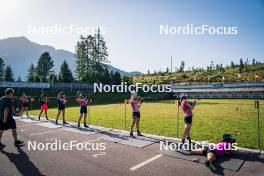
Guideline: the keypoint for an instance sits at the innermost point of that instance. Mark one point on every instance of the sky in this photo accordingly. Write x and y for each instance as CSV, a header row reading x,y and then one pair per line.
x,y
132,29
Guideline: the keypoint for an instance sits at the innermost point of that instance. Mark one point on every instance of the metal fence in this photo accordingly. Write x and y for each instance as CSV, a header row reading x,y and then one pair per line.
x,y
225,90
24,85
47,86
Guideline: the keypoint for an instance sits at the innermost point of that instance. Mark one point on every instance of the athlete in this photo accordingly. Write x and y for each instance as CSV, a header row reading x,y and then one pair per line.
x,y
6,116
43,106
83,102
61,100
187,108
135,102
221,149
25,104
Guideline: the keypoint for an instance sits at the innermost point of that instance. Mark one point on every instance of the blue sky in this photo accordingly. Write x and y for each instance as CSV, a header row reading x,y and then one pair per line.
x,y
132,28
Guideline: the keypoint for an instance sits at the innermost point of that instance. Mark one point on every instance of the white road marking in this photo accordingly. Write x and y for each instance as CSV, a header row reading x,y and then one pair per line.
x,y
45,133
145,162
24,126
99,154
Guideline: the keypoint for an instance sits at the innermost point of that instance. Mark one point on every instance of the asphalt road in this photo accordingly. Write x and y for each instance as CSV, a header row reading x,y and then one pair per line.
x,y
116,159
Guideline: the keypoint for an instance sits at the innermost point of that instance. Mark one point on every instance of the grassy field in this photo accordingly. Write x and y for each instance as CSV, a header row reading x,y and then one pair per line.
x,y
211,119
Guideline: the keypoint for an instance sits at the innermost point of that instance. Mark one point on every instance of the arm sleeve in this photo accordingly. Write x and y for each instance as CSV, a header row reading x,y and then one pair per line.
x,y
9,104
132,101
183,104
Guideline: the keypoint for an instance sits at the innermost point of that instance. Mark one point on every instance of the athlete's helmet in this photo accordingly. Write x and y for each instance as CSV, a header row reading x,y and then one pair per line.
x,y
229,138
133,94
183,95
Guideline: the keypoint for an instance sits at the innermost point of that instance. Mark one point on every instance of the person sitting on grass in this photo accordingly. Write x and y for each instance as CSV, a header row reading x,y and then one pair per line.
x,y
135,102
224,147
43,106
83,102
61,100
25,104
6,116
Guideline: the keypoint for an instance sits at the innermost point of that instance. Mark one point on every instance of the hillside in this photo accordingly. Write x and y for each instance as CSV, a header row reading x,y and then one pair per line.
x,y
249,73
19,52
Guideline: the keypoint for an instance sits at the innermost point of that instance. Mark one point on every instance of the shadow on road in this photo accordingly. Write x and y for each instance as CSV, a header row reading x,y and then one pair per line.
x,y
22,162
256,157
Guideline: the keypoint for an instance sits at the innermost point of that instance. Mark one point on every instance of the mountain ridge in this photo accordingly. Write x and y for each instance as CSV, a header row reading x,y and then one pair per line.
x,y
19,52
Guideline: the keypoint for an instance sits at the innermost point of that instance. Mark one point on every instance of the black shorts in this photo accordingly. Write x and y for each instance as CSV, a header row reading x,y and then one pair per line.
x,y
61,107
208,150
188,120
25,105
136,115
83,109
10,124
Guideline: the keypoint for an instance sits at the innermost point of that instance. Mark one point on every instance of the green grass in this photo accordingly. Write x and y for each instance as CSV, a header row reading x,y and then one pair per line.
x,y
211,119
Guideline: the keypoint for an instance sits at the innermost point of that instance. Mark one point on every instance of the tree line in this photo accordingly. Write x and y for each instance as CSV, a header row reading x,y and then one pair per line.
x,y
211,67
6,73
91,61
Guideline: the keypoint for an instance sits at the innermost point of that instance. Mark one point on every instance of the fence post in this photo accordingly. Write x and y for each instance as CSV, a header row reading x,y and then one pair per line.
x,y
89,115
125,101
257,106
